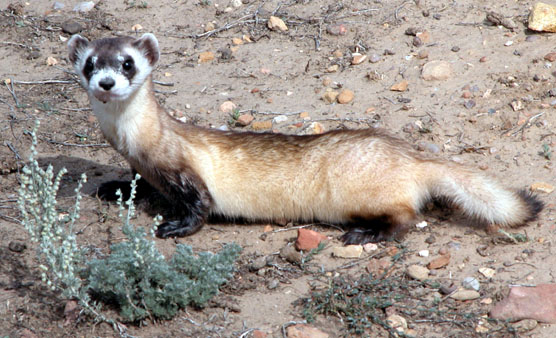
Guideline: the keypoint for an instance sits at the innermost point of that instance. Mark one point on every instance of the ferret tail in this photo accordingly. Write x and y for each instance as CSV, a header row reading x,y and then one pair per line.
x,y
481,197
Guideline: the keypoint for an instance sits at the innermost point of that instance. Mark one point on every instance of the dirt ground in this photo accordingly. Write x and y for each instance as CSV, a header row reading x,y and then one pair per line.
x,y
495,112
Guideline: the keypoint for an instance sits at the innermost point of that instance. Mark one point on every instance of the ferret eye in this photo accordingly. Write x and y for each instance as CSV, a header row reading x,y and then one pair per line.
x,y
89,66
128,64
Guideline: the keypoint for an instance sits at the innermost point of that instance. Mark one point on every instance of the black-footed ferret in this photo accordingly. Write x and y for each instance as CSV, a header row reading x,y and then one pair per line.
x,y
365,177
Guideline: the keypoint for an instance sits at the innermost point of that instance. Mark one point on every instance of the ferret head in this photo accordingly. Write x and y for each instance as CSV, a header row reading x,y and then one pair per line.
x,y
112,69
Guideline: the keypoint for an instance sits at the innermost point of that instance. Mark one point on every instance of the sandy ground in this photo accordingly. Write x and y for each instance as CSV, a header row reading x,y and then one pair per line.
x,y
468,118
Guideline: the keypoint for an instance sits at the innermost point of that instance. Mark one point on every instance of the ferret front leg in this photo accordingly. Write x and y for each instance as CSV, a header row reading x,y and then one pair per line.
x,y
190,201
107,190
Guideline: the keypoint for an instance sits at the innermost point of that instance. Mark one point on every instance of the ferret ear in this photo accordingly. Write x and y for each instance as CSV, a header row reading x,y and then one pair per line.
x,y
75,45
148,44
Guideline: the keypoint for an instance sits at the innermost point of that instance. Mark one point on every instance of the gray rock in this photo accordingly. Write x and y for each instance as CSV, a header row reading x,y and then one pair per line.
x,y
71,27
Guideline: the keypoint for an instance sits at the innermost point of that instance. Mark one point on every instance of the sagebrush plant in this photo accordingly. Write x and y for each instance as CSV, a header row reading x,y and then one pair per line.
x,y
135,275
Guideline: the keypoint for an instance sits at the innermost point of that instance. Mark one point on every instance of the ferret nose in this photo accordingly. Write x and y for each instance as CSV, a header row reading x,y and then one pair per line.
x,y
107,83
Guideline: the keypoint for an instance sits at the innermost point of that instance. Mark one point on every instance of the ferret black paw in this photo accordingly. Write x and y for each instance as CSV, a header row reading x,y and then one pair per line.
x,y
370,235
178,228
107,190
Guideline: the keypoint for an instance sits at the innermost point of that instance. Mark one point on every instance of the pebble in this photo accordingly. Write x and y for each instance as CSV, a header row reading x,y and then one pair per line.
x,y
258,263
471,283
236,3
378,266
261,125
51,61
227,107
397,322
308,239
524,325
348,251
374,58
423,253
290,254
336,30
332,69
424,36
417,42
469,104
209,26
326,81
71,27
455,49
345,96
400,86
58,6
84,7
368,247
465,295
542,187
206,57
542,18
487,272
259,334
532,38
337,53
273,284
431,148
304,331
304,115
508,43
317,128
358,58
276,24
436,70
421,225
245,119
330,95
483,59
439,262
237,41
280,119
430,240
423,54
417,272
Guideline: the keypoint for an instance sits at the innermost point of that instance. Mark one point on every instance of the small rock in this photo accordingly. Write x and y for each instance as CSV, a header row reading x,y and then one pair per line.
x,y
259,334
304,115
523,302
237,41
483,59
421,225
487,272
368,247
524,325
245,119
336,30
58,6
227,107
71,27
261,125
400,86
516,105
455,49
337,53
308,239
304,331
258,263
423,253
84,7
542,187
465,295
430,240
412,31
17,246
423,54
326,81
209,26
551,57
317,128
290,254
348,251
280,119
542,18
71,312
417,272
469,104
358,58
345,96
277,24
374,58
51,61
397,322
330,95
436,70
417,42
447,289
424,36
206,57
332,69
236,3
439,262
471,283
273,284
136,28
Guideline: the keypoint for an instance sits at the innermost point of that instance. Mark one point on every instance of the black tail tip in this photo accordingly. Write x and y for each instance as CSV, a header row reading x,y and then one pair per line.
x,y
534,204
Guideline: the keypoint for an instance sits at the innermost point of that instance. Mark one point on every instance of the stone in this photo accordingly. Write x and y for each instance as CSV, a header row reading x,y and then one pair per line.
x,y
209,26
290,254
436,70
542,18
551,57
374,58
524,302
423,253
330,96
258,263
71,27
206,57
336,30
378,266
276,24
261,125
423,54
424,36
259,334
17,246
397,322
317,128
417,272
280,119
227,107
337,53
439,262
345,96
236,3
524,325
487,272
368,247
84,7
348,251
136,28
308,239
471,283
358,58
542,187
400,86
71,312
332,69
304,115
465,295
237,41
245,119
304,331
